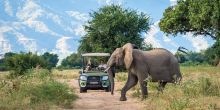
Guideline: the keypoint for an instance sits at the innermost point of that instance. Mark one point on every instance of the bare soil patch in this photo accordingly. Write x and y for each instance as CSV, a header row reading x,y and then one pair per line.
x,y
101,100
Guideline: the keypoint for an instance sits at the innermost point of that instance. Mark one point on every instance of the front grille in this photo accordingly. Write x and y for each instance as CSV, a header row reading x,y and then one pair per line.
x,y
93,78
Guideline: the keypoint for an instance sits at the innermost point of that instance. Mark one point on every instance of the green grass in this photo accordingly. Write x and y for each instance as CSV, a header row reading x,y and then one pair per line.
x,y
35,90
199,90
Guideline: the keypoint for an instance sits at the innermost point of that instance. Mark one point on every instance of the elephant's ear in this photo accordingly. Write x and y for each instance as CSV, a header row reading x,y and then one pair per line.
x,y
128,58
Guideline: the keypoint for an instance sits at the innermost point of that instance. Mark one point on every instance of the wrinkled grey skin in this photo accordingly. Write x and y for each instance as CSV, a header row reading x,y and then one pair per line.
x,y
159,65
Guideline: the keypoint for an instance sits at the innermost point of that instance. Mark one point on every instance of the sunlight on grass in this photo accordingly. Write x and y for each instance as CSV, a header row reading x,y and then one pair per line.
x,y
66,74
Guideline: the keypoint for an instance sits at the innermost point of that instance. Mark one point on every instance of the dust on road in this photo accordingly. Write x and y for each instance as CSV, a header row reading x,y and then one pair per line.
x,y
100,100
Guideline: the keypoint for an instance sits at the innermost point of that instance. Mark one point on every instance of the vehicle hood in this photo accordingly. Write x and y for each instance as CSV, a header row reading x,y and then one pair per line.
x,y
95,74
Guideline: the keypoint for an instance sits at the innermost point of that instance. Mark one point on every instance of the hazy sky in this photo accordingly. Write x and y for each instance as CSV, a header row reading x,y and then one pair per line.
x,y
56,25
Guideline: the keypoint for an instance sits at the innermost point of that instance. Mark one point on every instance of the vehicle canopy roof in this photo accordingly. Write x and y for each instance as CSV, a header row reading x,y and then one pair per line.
x,y
95,54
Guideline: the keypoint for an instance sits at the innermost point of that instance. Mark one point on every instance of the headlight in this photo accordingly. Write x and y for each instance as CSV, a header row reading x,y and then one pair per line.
x,y
104,77
83,78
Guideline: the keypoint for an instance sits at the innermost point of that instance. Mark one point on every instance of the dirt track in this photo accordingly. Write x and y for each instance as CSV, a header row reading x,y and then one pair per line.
x,y
100,100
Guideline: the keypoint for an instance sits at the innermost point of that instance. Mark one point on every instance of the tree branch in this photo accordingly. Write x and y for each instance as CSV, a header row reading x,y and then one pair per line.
x,y
201,32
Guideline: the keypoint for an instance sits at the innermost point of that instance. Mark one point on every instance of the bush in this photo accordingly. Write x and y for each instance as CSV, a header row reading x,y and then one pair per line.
x,y
74,60
52,91
36,90
20,63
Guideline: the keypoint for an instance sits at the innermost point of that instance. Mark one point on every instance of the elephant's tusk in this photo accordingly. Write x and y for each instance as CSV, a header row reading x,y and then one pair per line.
x,y
107,69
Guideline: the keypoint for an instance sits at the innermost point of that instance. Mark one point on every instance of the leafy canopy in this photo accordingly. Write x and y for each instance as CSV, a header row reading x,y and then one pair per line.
x,y
201,17
111,27
213,53
74,60
51,59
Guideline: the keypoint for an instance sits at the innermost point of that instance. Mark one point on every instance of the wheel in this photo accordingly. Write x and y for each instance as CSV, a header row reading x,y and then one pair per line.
x,y
82,89
108,89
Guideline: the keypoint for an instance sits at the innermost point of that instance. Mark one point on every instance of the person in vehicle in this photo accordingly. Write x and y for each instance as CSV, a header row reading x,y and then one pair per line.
x,y
88,66
102,66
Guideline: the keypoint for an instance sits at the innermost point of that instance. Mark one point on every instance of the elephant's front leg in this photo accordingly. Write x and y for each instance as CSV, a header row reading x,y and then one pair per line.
x,y
132,81
143,85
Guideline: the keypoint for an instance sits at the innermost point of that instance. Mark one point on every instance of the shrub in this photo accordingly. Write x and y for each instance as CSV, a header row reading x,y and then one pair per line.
x,y
52,91
20,63
37,90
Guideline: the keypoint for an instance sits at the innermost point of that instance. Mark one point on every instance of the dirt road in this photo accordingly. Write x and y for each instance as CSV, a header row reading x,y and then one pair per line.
x,y
100,100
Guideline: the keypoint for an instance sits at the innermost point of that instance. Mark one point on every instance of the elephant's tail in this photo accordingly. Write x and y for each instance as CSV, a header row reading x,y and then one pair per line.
x,y
177,78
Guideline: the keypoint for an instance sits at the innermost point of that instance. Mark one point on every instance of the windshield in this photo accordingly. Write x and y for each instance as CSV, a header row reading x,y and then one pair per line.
x,y
94,64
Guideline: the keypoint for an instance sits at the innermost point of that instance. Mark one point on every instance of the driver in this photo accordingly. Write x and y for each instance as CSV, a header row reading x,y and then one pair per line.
x,y
102,65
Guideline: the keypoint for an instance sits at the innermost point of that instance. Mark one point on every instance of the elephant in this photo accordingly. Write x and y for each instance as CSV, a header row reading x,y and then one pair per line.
x,y
158,64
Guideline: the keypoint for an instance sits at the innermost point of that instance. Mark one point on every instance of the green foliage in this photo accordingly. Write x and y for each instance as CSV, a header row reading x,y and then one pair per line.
x,y
3,66
51,59
74,60
198,16
20,63
146,47
179,104
213,53
192,58
111,27
181,57
52,91
9,54
37,90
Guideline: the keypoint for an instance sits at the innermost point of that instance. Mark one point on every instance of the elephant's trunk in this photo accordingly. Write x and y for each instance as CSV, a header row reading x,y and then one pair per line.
x,y
111,78
111,73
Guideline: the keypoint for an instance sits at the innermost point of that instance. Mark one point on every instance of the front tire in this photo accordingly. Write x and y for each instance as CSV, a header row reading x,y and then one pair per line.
x,y
83,89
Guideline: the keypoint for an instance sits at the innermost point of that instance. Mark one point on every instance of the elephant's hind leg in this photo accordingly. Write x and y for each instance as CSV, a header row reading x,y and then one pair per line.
x,y
132,81
161,86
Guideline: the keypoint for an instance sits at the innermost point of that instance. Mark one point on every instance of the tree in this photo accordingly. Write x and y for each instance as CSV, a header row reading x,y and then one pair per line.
x,y
9,54
200,17
146,47
3,66
52,59
74,60
111,27
213,54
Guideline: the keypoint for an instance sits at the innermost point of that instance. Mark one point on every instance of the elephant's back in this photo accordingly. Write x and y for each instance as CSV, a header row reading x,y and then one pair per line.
x,y
158,51
162,63
160,54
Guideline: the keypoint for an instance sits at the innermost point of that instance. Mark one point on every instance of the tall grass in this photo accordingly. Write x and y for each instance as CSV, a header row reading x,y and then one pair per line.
x,y
35,90
66,74
200,89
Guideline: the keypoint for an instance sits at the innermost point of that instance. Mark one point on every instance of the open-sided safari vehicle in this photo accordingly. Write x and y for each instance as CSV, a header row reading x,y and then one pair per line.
x,y
92,75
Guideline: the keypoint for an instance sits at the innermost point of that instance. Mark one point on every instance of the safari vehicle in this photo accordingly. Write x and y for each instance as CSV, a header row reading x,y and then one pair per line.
x,y
92,76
